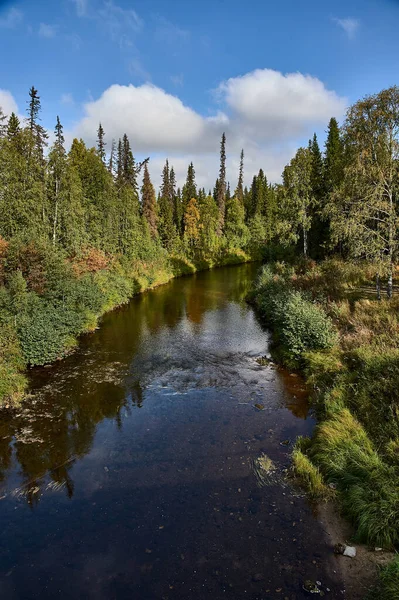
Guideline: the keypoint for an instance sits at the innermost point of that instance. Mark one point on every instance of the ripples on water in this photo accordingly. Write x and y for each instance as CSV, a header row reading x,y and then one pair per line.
x,y
133,469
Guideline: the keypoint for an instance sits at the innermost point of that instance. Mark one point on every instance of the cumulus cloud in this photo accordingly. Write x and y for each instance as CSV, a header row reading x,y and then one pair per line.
x,y
264,112
273,105
47,31
12,18
154,120
7,102
349,25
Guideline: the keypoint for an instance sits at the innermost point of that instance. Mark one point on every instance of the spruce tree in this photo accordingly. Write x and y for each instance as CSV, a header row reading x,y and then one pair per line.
x,y
221,192
101,142
189,188
38,133
239,192
112,158
13,126
334,157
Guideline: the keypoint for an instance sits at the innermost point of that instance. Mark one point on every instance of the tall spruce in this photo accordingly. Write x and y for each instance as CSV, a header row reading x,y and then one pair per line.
x,y
239,192
148,200
101,142
221,191
38,133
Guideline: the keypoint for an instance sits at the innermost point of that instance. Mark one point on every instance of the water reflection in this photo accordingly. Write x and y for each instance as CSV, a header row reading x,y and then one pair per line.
x,y
195,332
129,473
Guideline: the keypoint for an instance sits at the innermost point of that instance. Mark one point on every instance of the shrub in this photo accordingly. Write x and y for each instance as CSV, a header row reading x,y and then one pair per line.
x,y
305,326
12,381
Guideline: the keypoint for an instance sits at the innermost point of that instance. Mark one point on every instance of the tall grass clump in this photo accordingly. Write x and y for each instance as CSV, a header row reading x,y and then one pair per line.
x,y
369,487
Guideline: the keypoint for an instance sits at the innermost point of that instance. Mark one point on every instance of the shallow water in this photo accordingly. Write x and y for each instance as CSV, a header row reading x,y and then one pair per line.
x,y
132,470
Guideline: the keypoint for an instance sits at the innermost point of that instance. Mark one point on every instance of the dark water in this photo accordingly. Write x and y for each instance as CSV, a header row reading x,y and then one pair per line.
x,y
132,470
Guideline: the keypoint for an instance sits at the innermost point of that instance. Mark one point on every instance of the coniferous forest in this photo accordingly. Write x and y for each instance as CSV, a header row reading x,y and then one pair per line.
x,y
83,229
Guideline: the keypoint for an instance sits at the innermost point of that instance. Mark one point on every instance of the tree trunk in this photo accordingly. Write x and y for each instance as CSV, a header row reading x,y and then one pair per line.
x,y
390,282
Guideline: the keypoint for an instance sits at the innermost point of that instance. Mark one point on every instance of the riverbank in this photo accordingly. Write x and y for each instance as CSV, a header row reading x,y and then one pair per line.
x,y
347,347
50,301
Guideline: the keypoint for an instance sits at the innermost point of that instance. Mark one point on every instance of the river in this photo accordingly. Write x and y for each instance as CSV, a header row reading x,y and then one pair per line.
x,y
132,470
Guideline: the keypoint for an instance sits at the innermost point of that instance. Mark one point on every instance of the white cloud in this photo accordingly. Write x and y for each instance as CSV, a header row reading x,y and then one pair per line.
x,y
47,31
273,105
7,103
349,25
153,119
67,99
265,112
12,18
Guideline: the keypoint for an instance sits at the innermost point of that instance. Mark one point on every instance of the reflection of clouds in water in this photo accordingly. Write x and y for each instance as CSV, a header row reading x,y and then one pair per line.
x,y
218,353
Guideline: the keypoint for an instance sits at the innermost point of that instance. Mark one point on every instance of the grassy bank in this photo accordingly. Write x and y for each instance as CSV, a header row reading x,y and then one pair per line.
x,y
48,300
348,349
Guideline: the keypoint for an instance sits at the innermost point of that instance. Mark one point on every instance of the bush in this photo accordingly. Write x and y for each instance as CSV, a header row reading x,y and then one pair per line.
x,y
305,326
12,381
47,333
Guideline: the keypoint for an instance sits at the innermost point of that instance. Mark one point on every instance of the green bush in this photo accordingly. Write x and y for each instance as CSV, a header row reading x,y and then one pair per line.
x,y
46,333
12,380
304,327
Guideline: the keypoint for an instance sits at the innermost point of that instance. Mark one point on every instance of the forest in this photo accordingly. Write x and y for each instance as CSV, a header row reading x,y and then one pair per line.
x,y
83,229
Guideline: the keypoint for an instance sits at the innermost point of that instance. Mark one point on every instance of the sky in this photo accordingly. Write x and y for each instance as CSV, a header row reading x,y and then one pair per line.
x,y
175,74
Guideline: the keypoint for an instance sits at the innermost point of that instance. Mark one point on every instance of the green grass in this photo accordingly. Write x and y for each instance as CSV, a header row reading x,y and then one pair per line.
x,y
387,587
309,475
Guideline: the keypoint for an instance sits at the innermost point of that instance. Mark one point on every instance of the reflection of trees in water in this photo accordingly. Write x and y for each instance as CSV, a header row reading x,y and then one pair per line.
x,y
55,427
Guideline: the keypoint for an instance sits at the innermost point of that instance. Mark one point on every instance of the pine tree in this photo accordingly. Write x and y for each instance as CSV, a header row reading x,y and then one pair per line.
x,y
38,133
334,157
228,193
166,226
221,192
119,164
56,164
319,230
129,173
239,193
101,142
189,188
112,158
13,126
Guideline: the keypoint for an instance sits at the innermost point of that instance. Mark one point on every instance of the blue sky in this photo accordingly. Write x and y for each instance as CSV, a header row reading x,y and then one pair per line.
x,y
175,74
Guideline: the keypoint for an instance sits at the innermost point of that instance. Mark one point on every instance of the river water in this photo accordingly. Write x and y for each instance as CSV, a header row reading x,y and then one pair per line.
x,y
133,469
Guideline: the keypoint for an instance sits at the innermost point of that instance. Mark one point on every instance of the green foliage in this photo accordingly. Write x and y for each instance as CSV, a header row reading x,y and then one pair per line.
x,y
309,475
300,325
